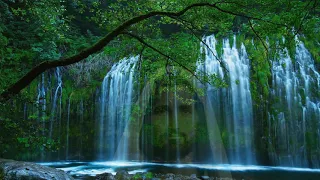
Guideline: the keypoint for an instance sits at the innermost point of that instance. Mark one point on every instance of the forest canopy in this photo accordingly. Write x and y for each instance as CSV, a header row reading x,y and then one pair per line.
x,y
38,35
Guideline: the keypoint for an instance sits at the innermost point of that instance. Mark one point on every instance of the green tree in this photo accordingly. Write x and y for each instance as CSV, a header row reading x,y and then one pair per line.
x,y
145,22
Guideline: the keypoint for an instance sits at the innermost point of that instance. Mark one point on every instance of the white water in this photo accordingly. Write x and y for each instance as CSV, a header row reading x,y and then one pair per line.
x,y
116,101
55,99
296,92
95,168
229,110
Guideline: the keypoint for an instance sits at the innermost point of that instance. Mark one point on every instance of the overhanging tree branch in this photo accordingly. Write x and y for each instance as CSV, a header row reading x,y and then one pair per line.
x,y
193,73
256,33
140,57
304,18
202,41
42,67
161,53
262,42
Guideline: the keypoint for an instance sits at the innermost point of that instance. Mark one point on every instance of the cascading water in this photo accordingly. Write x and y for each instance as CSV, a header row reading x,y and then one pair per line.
x,y
55,99
227,112
193,119
176,122
295,119
68,127
116,101
229,108
41,101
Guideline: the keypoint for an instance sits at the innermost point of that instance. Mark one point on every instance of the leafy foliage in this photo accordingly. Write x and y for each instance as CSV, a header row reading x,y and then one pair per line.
x,y
32,32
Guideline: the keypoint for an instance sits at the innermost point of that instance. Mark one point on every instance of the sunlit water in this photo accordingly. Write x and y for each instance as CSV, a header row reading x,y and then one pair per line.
x,y
233,105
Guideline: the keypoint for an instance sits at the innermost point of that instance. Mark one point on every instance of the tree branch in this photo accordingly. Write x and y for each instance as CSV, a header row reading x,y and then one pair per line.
x,y
303,18
262,42
140,57
164,55
202,41
42,67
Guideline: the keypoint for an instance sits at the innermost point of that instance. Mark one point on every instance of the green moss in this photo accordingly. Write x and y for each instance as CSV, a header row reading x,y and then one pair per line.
x,y
231,40
201,133
260,70
219,48
149,175
240,39
137,176
1,173
312,47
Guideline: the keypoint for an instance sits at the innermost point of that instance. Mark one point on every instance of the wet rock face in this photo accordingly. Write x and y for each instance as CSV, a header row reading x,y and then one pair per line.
x,y
17,170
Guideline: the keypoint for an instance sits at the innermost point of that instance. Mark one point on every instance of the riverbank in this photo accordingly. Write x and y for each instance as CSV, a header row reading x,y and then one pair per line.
x,y
124,175
16,170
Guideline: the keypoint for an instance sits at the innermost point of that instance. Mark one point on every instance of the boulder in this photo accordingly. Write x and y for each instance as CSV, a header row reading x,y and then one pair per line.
x,y
18,170
122,175
105,176
169,176
193,177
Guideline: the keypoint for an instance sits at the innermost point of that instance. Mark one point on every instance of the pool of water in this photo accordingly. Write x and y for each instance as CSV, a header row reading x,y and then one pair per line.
x,y
87,170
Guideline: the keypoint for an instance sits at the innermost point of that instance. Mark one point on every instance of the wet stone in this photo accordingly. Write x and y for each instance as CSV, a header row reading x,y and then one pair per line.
x,y
105,176
122,175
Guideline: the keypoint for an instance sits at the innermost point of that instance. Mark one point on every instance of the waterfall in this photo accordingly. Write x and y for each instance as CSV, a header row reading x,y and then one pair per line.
x,y
239,72
116,101
229,110
68,127
43,96
176,122
296,99
55,99
292,126
193,120
146,108
41,102
81,116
